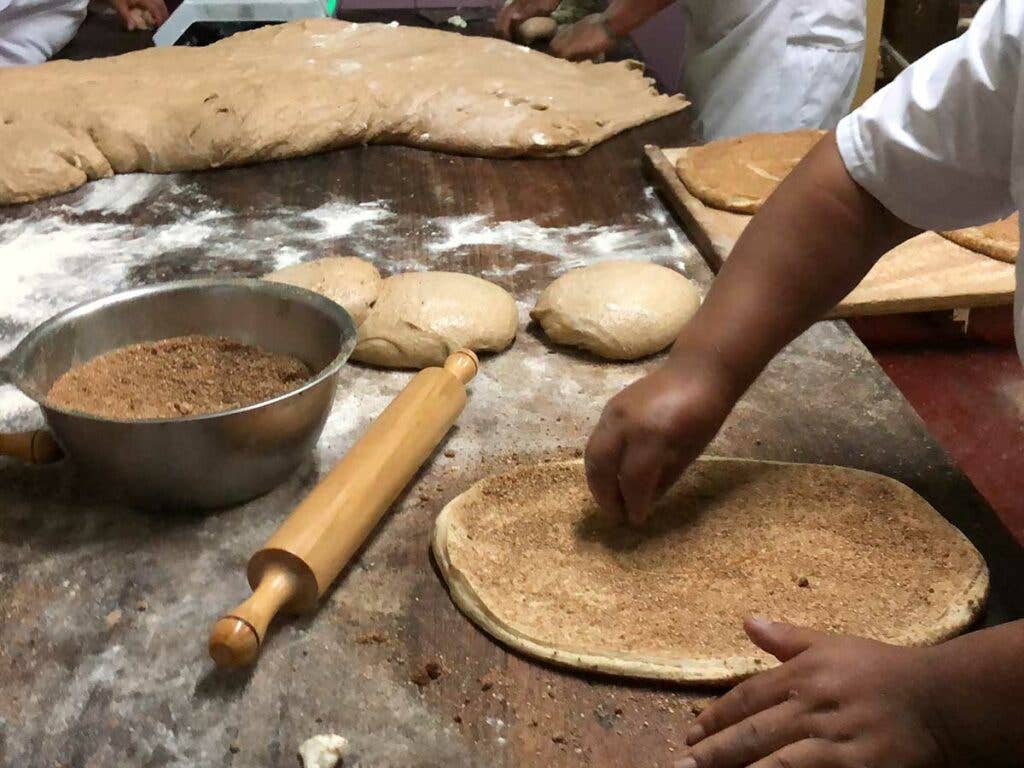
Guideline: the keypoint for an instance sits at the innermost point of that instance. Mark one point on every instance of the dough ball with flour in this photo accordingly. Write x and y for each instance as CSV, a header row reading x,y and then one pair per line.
x,y
422,317
346,280
621,310
536,29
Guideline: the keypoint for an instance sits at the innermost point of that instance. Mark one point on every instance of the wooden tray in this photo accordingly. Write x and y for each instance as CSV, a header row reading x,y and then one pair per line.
x,y
926,273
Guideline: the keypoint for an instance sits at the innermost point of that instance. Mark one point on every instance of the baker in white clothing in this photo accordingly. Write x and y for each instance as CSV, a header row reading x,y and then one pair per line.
x,y
939,148
32,31
748,65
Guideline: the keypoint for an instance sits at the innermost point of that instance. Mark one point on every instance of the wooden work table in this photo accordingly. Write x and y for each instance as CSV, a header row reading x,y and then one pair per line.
x,y
104,609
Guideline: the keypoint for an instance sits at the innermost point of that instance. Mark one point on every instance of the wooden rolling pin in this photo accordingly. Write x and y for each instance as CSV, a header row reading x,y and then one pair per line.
x,y
309,550
37,447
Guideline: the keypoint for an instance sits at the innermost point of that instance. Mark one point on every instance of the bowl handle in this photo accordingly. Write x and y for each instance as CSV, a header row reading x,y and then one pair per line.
x,y
33,447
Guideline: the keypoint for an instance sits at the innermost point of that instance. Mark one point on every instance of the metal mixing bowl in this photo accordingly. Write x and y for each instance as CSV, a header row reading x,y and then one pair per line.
x,y
200,461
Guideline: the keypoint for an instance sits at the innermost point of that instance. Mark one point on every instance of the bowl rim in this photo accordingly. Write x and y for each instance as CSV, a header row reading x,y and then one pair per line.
x,y
11,366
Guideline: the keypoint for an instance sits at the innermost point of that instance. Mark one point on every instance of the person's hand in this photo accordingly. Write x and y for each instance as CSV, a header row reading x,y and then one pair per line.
x,y
652,430
516,12
835,702
141,14
588,38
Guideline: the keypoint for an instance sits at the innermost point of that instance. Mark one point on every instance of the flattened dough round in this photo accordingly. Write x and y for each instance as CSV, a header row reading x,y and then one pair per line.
x,y
353,283
739,173
621,310
998,239
529,558
422,317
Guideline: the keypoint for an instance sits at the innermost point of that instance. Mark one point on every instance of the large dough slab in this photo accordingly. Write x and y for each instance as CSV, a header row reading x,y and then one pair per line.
x,y
300,88
528,557
926,273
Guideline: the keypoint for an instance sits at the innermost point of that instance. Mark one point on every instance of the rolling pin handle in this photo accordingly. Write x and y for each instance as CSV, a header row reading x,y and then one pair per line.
x,y
463,364
315,542
37,447
236,638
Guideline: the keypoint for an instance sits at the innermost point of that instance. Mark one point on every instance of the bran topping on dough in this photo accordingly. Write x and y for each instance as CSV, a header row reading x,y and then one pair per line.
x,y
998,239
739,173
532,560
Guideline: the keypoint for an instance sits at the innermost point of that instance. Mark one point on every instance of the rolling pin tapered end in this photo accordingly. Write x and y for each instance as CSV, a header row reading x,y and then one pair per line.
x,y
233,643
463,364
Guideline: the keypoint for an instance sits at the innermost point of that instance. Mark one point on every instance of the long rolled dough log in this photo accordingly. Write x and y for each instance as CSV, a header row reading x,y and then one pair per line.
x,y
300,88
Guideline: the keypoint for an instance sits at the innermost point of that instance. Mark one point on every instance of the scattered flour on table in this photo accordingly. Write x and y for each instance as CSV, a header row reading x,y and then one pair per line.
x,y
118,194
52,261
13,403
340,218
572,246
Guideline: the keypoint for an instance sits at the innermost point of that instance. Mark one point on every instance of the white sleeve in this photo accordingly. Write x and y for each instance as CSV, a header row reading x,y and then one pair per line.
x,y
935,147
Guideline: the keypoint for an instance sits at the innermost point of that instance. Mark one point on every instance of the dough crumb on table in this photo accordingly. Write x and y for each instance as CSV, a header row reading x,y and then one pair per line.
x,y
325,750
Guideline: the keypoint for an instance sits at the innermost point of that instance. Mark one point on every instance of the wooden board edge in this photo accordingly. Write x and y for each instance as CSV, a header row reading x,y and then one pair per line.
x,y
874,308
662,174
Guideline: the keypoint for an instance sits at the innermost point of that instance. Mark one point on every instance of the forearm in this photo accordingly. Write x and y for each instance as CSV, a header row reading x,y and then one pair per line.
x,y
979,680
810,244
623,16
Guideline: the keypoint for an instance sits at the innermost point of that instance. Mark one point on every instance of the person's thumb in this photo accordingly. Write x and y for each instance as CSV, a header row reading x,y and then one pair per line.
x,y
783,641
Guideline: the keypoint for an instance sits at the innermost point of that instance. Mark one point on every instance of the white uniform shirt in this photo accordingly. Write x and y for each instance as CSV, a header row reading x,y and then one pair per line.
x,y
941,146
771,65
31,31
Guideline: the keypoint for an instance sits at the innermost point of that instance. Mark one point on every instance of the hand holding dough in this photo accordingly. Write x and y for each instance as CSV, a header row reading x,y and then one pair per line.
x,y
353,283
422,317
621,310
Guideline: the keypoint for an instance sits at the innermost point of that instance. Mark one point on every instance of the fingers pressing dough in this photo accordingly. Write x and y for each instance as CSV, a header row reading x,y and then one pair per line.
x,y
999,239
738,174
620,310
353,283
422,317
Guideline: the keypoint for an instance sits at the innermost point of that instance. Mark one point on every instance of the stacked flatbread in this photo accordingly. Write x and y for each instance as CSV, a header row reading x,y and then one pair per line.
x,y
998,239
739,173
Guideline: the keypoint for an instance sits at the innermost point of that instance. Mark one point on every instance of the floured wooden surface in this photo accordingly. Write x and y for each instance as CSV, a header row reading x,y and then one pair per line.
x,y
531,559
104,610
928,272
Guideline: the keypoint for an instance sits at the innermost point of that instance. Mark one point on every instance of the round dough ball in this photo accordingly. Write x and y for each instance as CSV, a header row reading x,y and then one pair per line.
x,y
620,310
422,317
353,283
535,29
